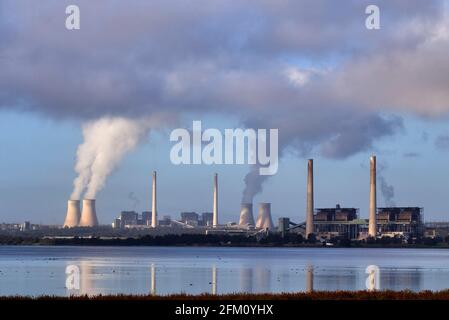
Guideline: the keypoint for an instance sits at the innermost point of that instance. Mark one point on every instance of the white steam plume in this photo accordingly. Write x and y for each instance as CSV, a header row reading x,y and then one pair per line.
x,y
106,141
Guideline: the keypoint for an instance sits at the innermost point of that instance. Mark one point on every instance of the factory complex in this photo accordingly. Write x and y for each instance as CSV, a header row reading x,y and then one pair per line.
x,y
315,224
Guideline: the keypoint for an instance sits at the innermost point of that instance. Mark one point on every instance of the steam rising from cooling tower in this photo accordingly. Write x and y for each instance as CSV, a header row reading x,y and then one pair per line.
x,y
88,215
73,214
246,215
264,220
106,141
253,184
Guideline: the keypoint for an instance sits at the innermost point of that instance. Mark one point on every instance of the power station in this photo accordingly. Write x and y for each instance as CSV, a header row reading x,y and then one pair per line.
x,y
86,218
322,223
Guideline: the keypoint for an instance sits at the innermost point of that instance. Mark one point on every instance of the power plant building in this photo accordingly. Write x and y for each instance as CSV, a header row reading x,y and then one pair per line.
x,y
390,222
337,222
400,221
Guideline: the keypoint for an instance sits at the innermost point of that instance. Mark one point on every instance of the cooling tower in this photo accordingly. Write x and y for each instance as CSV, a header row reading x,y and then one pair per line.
x,y
88,215
246,215
372,230
215,212
264,218
309,213
72,218
154,203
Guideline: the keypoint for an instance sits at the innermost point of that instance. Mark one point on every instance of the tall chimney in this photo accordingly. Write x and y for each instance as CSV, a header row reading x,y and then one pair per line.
x,y
372,226
154,204
73,216
215,217
88,215
246,214
264,220
309,212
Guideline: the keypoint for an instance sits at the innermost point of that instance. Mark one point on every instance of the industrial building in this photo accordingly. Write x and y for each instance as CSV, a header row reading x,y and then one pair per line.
x,y
400,221
322,223
337,222
345,223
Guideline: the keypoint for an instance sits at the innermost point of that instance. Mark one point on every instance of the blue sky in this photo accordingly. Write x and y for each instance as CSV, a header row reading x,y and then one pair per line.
x,y
336,91
37,174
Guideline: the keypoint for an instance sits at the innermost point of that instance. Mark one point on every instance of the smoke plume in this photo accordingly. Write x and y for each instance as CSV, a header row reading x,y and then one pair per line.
x,y
134,199
253,184
386,189
106,141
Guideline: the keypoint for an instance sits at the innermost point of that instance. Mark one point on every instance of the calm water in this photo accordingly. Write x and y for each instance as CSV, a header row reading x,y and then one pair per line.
x,y
163,270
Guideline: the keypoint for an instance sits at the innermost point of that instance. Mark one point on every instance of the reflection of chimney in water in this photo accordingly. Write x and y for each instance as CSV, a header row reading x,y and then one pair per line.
x,y
246,280
153,280
262,279
309,279
214,279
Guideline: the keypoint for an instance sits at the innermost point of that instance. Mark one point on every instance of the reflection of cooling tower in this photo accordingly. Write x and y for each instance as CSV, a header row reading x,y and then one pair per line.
x,y
264,218
88,215
246,214
73,214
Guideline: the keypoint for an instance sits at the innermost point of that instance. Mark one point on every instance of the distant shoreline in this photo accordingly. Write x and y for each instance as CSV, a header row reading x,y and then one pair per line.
x,y
188,240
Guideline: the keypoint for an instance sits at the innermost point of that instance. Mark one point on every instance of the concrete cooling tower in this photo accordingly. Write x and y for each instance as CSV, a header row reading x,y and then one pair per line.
x,y
72,218
264,220
88,215
246,215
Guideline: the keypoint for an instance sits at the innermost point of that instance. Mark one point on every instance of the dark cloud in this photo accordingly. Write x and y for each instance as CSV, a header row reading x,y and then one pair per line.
x,y
309,68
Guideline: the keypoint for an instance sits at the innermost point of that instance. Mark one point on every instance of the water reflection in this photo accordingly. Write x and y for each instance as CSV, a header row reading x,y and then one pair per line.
x,y
246,279
153,279
214,279
309,278
200,270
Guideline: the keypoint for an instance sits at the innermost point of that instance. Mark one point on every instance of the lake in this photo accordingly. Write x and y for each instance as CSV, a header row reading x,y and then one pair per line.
x,y
73,270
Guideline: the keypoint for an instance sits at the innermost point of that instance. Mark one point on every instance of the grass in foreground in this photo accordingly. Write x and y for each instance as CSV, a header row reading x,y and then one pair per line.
x,y
318,295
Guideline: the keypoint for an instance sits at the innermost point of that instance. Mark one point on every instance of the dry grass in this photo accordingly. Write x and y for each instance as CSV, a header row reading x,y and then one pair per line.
x,y
319,295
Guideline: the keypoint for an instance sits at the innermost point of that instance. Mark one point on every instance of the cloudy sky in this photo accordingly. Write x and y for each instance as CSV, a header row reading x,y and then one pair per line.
x,y
336,91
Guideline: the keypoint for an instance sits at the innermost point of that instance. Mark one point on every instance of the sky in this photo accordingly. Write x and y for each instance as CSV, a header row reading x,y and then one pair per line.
x,y
115,89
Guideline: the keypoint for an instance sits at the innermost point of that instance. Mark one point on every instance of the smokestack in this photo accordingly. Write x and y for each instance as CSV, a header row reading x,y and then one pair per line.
x,y
72,218
372,227
246,214
215,217
88,215
309,212
264,220
154,204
